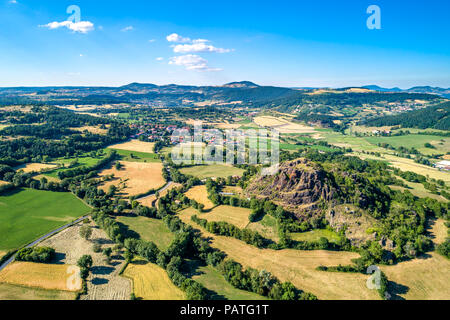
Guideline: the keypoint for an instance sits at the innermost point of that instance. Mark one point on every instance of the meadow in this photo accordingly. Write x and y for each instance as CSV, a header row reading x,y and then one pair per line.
x,y
415,141
27,214
149,230
298,267
234,215
151,282
212,171
15,292
238,217
315,235
212,280
136,156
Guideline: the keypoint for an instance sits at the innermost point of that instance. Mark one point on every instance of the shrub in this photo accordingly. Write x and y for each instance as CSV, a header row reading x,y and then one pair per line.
x,y
36,254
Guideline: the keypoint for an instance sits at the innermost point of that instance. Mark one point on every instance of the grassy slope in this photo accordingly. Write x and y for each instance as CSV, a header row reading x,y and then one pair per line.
x,y
14,292
297,266
209,171
315,235
214,281
27,214
135,156
150,230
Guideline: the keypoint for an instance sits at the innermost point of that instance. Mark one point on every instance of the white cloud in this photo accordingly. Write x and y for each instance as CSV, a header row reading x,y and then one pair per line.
x,y
152,40
193,46
192,62
13,1
129,28
81,27
177,38
198,46
159,59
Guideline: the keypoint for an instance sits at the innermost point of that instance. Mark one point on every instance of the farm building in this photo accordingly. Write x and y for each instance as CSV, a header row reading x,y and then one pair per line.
x,y
443,165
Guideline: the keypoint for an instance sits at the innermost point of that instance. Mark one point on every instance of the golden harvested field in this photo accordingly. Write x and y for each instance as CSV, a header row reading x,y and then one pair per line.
x,y
234,215
13,292
135,178
48,177
425,278
298,267
35,167
44,276
148,201
235,190
3,182
151,282
409,165
199,194
134,145
283,126
91,129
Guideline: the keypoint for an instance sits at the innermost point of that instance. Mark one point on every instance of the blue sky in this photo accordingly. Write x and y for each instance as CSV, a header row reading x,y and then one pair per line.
x,y
284,43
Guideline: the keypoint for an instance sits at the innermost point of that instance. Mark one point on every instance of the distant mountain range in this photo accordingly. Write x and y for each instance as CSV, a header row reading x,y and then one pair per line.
x,y
421,89
234,93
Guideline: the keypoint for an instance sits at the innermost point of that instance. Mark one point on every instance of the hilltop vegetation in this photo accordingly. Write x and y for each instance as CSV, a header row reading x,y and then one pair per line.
x,y
435,117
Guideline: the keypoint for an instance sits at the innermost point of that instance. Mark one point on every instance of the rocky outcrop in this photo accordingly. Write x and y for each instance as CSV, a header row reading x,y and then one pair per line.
x,y
298,186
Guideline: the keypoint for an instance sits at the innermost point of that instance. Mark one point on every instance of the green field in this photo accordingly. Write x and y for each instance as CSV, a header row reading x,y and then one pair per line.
x,y
135,156
267,227
13,292
214,170
415,140
149,229
219,288
315,235
27,214
82,161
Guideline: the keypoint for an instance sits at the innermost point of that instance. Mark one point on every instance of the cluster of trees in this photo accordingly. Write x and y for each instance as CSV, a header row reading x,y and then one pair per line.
x,y
52,139
36,254
77,171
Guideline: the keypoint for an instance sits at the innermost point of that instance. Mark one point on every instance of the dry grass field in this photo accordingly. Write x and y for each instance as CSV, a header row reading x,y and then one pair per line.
x,y
134,145
35,167
3,182
234,215
91,129
425,278
40,275
282,125
235,190
135,178
238,217
298,267
151,282
104,282
199,194
14,292
212,171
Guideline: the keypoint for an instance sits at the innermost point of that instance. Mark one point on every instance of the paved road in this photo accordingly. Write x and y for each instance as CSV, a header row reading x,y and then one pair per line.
x,y
43,238
160,190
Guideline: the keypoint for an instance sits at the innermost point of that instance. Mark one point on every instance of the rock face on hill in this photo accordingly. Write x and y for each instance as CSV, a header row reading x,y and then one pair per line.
x,y
299,186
